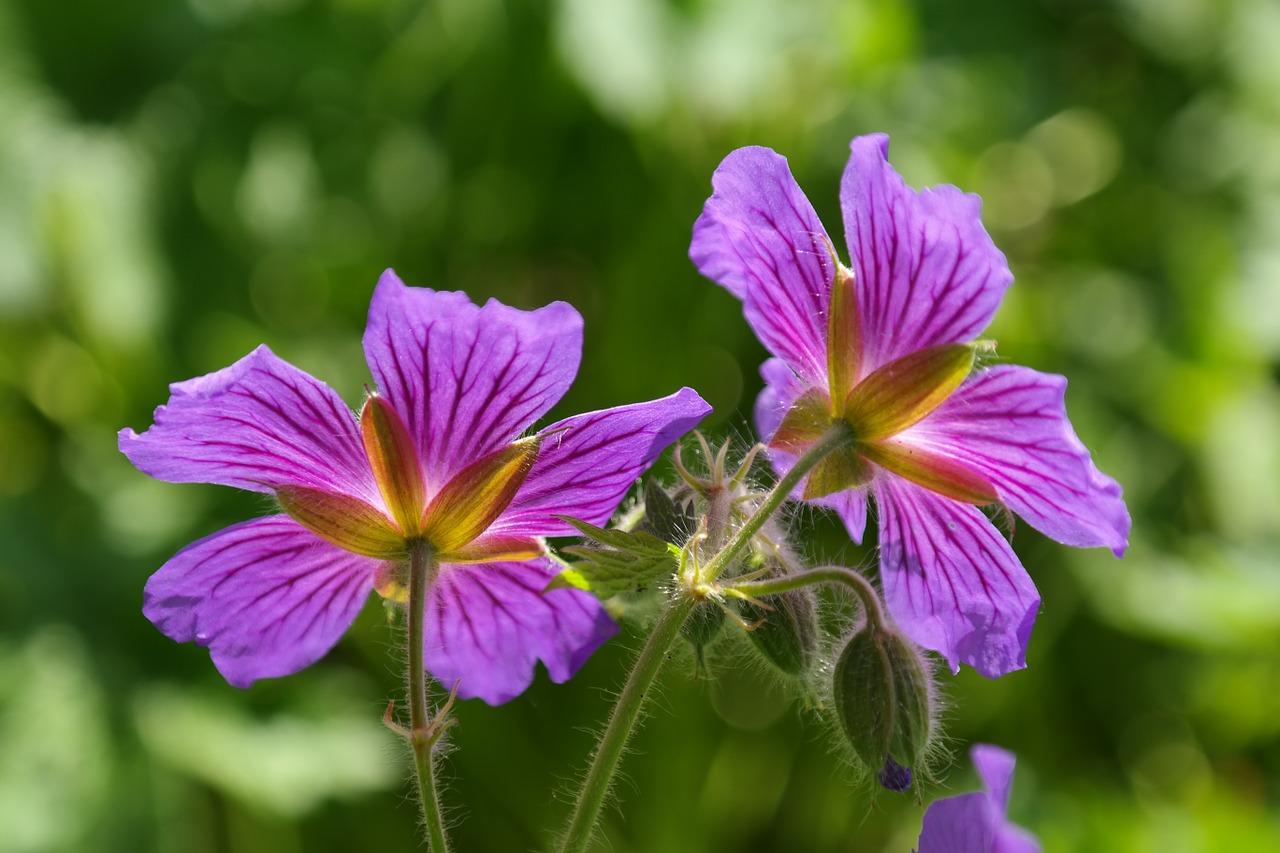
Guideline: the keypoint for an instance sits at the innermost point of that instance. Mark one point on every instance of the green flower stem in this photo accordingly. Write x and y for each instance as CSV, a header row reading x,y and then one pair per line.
x,y
630,704
622,722
840,435
824,574
423,730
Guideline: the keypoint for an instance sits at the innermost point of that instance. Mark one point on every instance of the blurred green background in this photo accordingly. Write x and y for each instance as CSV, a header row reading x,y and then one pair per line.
x,y
181,181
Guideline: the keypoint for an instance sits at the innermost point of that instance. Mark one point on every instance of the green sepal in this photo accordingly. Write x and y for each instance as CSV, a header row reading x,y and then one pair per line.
x,y
842,469
904,391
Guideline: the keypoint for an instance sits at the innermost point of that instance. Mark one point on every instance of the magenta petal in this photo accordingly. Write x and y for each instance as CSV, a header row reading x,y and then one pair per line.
x,y
259,424
963,824
976,823
759,237
951,580
467,379
1010,424
781,388
488,624
267,597
588,462
995,768
926,270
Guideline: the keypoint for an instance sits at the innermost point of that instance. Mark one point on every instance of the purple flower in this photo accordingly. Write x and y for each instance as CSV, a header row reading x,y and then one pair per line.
x,y
886,349
435,456
976,823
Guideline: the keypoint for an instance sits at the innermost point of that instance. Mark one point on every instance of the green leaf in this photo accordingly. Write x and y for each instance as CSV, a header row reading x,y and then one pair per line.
x,y
608,573
638,542
628,561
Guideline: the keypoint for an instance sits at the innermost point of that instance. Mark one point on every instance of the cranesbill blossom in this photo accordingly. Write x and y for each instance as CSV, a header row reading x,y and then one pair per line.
x,y
885,350
976,823
434,460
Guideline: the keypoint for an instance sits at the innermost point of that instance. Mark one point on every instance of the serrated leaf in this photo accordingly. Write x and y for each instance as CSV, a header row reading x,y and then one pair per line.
x,y
635,542
606,573
568,579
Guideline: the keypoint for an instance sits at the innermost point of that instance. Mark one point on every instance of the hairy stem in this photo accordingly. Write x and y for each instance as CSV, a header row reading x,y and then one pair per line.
x,y
626,711
622,722
423,730
861,587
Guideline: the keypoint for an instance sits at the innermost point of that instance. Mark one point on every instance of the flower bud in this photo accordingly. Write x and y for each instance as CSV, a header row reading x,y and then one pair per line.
x,y
883,696
703,626
787,635
663,517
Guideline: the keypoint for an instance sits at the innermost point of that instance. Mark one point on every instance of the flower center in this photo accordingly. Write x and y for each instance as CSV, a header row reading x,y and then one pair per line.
x,y
878,408
453,524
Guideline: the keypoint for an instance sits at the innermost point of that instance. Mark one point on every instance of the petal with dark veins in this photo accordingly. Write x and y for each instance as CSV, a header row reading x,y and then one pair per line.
x,y
1010,424
759,237
926,270
267,597
489,624
588,462
259,424
467,379
951,580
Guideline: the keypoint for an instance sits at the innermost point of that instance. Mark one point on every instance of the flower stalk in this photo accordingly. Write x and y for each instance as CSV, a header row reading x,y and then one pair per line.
x,y
860,586
424,732
622,722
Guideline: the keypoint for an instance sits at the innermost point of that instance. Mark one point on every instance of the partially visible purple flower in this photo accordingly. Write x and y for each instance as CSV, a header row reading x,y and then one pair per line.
x,y
886,348
435,456
976,823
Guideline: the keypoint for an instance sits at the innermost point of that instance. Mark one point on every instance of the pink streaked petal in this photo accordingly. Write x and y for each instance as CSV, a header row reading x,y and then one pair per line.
x,y
951,580
467,379
927,272
759,237
781,389
488,625
1010,424
267,597
851,506
259,424
588,462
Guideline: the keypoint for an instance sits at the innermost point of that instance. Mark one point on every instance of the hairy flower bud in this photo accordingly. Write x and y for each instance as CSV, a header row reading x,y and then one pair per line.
x,y
663,517
703,626
787,635
883,696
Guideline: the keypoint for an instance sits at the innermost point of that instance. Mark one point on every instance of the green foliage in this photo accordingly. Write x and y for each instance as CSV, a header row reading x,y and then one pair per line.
x,y
628,561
